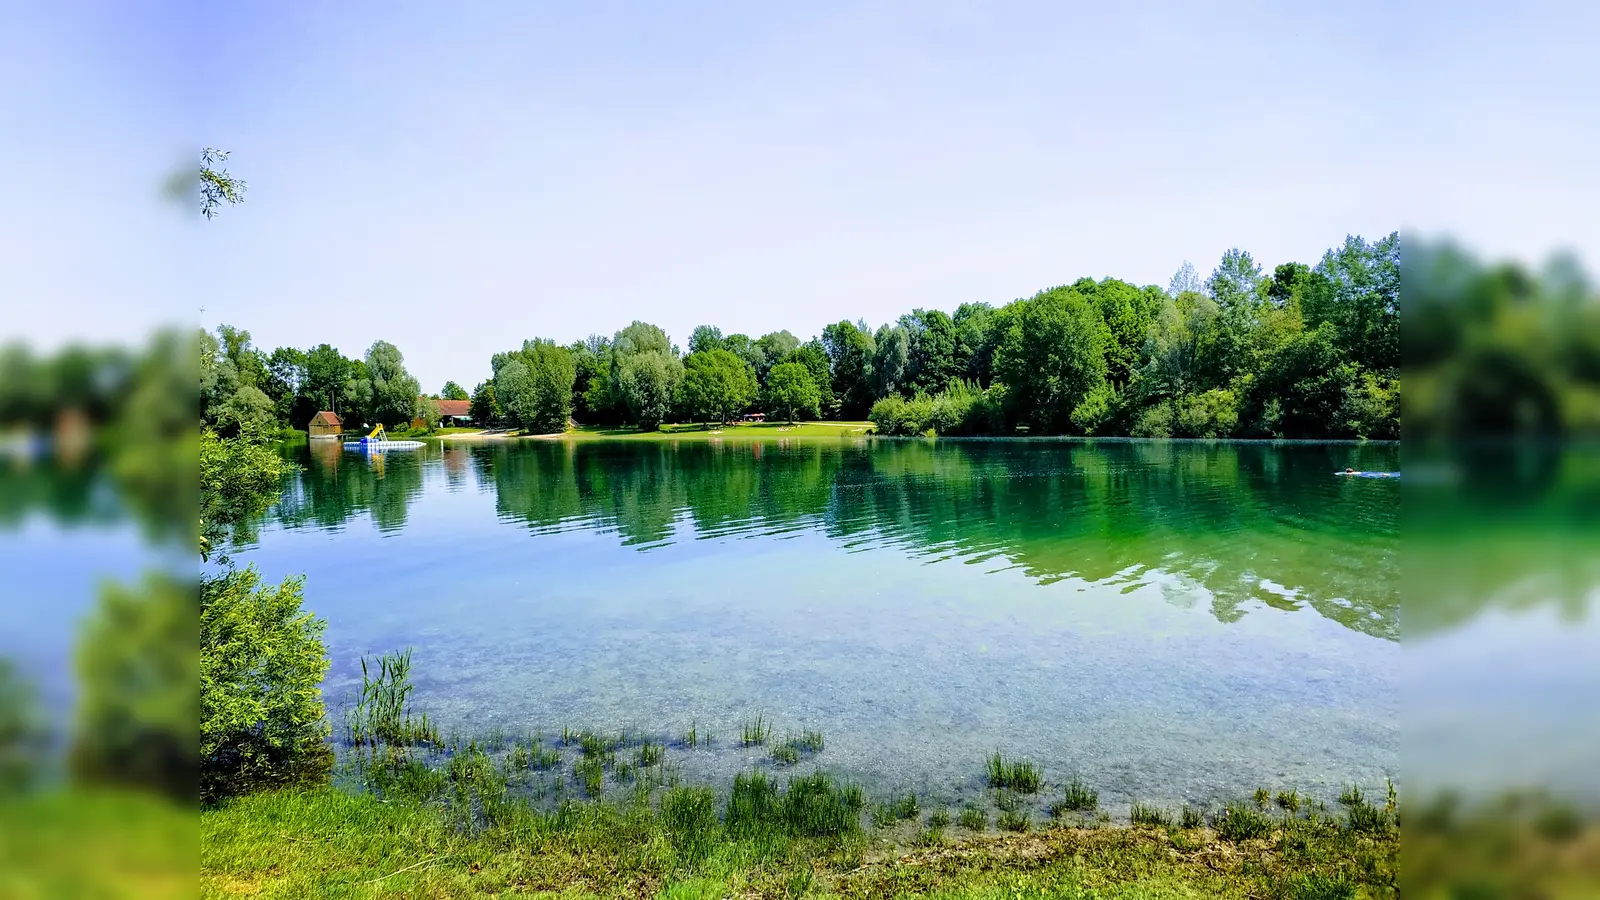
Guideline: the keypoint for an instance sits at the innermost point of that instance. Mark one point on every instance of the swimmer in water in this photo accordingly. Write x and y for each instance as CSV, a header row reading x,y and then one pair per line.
x,y
1349,471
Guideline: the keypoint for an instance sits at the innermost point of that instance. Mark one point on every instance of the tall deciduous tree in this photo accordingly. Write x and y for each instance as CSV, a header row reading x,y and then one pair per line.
x,y
453,391
891,352
717,385
792,392
1053,357
850,349
931,361
392,391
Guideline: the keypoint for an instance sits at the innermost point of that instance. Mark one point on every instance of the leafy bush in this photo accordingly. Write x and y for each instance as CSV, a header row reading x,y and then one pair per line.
x,y
1212,414
1095,409
1153,422
137,668
23,737
262,720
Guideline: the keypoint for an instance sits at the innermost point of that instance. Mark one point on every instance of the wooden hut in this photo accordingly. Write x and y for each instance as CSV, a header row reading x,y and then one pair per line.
x,y
325,425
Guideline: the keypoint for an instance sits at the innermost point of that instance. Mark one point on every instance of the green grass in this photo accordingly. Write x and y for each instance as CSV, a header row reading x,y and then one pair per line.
x,y
326,843
896,810
1016,775
1010,820
939,818
1241,823
1154,816
730,432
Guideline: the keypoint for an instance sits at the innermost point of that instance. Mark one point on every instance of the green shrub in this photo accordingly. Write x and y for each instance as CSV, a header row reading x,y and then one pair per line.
x,y
1097,407
1212,414
1153,422
137,670
262,660
23,734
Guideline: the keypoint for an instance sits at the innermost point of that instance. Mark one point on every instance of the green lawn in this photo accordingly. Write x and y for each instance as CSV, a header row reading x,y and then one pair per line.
x,y
741,431
326,843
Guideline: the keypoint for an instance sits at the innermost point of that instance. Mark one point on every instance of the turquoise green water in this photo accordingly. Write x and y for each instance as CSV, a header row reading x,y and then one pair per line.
x,y
1169,621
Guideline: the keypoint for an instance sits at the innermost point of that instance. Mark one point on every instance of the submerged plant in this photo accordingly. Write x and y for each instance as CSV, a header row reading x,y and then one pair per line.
x,y
785,754
755,732
1289,801
649,755
939,818
1191,817
973,817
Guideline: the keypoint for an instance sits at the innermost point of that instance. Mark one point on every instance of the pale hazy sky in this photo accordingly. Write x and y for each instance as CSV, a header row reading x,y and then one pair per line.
x,y
457,177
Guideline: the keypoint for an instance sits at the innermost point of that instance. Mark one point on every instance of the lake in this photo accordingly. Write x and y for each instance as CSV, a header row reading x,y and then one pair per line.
x,y
1169,621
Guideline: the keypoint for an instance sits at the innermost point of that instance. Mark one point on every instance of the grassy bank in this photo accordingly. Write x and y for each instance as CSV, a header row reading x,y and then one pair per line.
x,y
732,432
328,843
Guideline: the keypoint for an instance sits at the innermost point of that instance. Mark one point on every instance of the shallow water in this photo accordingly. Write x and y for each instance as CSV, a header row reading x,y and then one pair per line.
x,y
1170,621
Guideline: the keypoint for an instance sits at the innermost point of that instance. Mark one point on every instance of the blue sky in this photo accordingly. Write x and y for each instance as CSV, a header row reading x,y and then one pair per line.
x,y
455,178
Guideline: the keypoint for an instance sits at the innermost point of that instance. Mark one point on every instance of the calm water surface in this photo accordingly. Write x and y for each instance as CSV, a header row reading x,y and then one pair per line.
x,y
1171,621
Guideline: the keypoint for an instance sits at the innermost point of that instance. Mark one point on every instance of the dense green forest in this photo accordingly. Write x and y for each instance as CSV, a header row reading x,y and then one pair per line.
x,y
1300,352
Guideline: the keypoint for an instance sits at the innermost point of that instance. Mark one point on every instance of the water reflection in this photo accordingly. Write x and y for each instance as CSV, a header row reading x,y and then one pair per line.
x,y
1229,524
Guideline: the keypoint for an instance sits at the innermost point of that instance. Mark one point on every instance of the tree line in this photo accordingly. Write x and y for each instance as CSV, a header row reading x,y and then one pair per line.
x,y
1301,352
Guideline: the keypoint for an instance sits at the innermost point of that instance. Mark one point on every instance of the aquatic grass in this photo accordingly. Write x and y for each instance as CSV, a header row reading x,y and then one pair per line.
x,y
1008,801
590,772
1289,801
816,806
543,758
1262,797
1238,822
1013,821
649,754
1018,775
1154,816
691,738
929,837
973,818
793,747
755,732
939,818
896,810
1079,797
382,714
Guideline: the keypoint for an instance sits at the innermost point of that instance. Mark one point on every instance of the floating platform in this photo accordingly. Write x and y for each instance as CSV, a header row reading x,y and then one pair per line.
x,y
380,445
